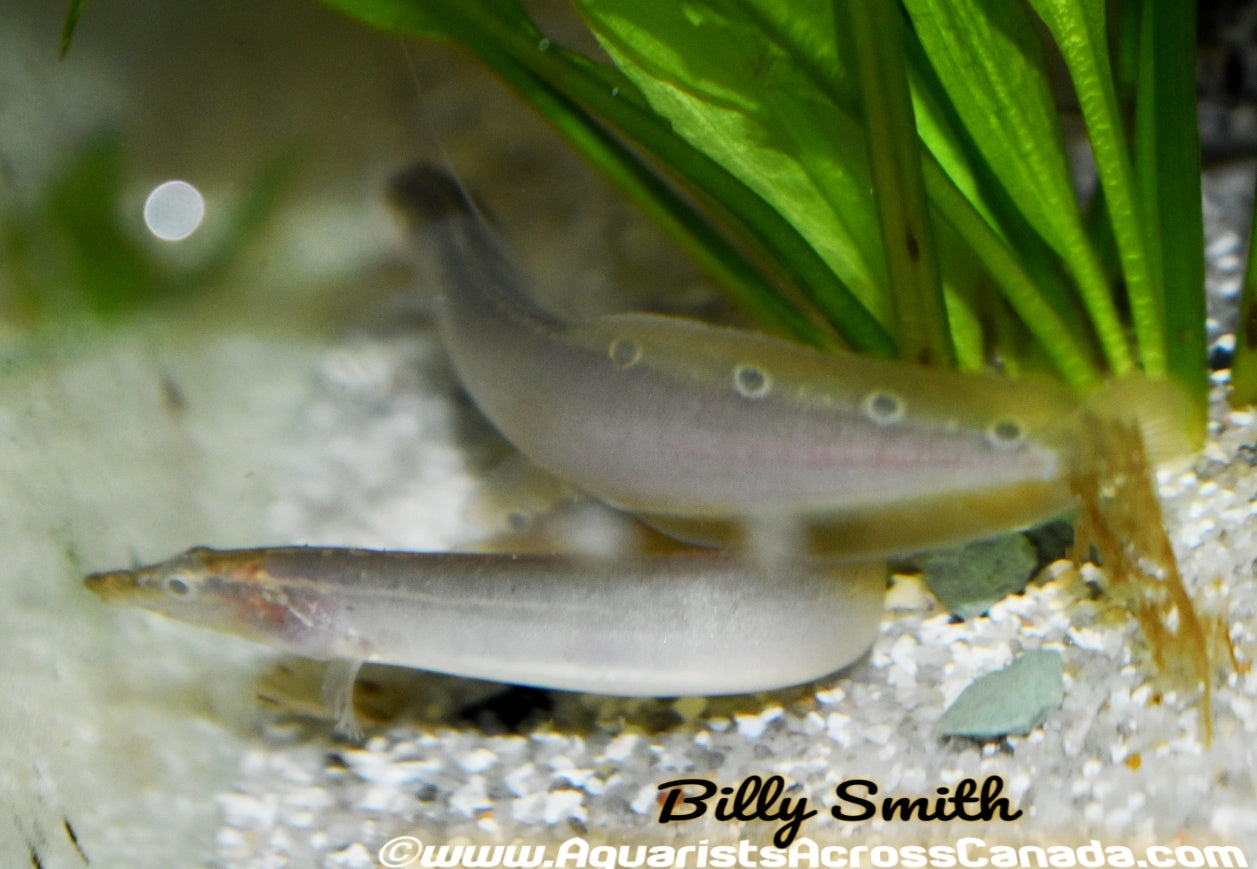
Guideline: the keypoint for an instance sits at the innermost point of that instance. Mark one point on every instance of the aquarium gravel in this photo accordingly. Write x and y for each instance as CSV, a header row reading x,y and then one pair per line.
x,y
1120,761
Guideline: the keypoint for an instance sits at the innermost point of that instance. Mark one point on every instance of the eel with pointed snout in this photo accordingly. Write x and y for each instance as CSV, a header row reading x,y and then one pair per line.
x,y
696,623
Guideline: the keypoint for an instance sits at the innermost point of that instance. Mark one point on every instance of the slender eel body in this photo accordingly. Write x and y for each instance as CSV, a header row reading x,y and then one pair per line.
x,y
660,626
705,431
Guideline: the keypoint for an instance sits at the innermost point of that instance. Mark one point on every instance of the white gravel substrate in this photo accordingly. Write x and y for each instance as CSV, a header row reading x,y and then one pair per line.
x,y
1119,761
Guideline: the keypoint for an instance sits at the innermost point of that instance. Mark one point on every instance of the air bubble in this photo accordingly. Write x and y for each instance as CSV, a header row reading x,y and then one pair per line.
x,y
174,210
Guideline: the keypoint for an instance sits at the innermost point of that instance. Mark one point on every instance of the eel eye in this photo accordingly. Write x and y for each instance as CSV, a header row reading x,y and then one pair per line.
x,y
177,586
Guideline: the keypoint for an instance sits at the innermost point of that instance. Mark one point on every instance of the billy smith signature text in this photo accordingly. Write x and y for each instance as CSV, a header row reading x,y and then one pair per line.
x,y
762,799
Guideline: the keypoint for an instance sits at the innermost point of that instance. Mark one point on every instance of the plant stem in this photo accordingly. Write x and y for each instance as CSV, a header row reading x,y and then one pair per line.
x,y
1016,285
713,252
894,151
1078,27
1167,157
1244,365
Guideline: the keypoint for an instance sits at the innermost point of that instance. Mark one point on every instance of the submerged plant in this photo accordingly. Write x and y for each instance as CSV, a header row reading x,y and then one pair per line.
x,y
778,121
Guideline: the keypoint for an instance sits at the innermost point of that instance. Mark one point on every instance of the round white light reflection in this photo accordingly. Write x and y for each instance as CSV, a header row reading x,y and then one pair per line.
x,y
174,210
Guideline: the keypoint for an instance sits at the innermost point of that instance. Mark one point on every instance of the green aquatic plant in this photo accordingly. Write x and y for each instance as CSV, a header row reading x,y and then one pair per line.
x,y
892,177
777,120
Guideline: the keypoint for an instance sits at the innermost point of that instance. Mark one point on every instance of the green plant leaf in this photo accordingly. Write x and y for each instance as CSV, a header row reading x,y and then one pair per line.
x,y
1167,163
108,267
697,71
578,99
987,56
1017,284
579,96
729,84
874,30
72,14
1078,28
744,282
1244,365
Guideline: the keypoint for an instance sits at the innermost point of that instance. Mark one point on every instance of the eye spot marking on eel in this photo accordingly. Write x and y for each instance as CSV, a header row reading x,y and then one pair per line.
x,y
1006,433
883,407
624,352
751,381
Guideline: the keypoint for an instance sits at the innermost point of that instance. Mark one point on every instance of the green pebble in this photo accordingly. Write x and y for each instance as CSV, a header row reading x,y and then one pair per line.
x,y
1014,700
968,580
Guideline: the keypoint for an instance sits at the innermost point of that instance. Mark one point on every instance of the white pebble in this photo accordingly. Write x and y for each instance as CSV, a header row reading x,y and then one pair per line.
x,y
621,747
478,760
753,726
564,804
